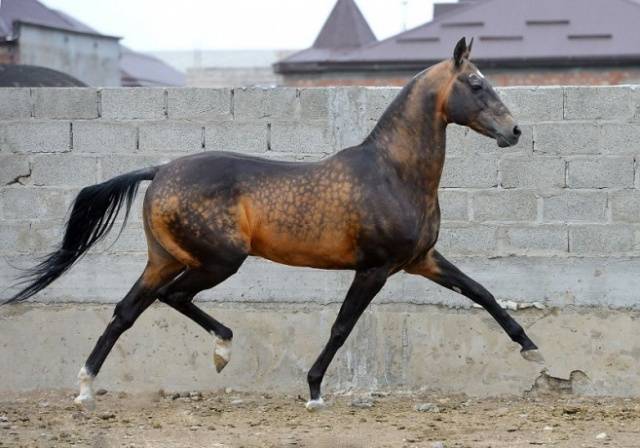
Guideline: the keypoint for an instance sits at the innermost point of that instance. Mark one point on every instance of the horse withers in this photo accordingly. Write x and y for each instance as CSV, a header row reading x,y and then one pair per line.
x,y
371,208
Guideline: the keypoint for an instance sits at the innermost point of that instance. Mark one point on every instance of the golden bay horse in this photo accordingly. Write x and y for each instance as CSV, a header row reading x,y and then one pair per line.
x,y
371,208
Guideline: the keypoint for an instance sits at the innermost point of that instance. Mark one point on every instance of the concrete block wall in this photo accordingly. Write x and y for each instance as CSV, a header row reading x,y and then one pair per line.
x,y
565,199
554,220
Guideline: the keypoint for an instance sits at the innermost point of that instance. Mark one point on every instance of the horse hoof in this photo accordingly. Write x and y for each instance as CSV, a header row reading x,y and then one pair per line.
x,y
221,353
533,356
315,405
85,401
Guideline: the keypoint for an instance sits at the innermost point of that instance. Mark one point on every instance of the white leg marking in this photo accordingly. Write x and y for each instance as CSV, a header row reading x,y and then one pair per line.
x,y
456,289
221,353
86,397
315,405
533,356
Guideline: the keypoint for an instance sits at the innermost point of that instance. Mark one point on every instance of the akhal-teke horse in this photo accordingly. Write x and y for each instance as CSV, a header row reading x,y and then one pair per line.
x,y
372,208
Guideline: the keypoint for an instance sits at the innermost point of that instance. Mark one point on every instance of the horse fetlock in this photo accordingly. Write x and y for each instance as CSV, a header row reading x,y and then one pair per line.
x,y
315,405
221,353
86,397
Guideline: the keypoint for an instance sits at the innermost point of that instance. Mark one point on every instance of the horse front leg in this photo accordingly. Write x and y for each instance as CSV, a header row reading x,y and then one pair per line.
x,y
364,288
438,269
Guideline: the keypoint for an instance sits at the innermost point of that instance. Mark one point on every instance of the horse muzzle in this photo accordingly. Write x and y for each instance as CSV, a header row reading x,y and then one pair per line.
x,y
509,137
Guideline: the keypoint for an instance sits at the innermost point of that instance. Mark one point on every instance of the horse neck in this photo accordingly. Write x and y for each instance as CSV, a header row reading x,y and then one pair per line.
x,y
411,135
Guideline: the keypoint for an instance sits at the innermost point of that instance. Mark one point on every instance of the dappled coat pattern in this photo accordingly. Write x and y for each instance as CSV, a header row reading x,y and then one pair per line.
x,y
371,208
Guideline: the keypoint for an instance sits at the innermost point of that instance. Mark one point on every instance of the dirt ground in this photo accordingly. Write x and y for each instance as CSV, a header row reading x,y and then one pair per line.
x,y
230,419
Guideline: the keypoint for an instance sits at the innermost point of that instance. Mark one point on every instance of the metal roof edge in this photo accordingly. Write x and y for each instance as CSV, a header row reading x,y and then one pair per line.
x,y
413,65
85,33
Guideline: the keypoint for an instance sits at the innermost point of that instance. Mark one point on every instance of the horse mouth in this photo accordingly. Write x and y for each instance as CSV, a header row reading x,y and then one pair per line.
x,y
504,142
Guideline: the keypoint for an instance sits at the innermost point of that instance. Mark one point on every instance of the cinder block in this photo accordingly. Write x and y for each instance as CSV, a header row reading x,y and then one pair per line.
x,y
104,136
586,138
64,170
601,172
504,205
470,172
599,103
15,103
347,113
236,136
601,240
65,103
625,206
35,136
378,100
259,103
454,205
133,103
463,141
131,240
619,138
532,172
316,103
32,203
115,165
171,136
464,240
532,104
305,137
30,237
534,239
199,104
12,167
575,206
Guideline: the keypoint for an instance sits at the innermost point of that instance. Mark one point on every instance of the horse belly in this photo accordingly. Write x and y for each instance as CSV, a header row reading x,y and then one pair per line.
x,y
326,249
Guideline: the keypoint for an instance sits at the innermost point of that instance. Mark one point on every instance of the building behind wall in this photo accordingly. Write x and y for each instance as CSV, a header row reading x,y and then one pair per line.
x,y
223,68
517,42
32,34
91,58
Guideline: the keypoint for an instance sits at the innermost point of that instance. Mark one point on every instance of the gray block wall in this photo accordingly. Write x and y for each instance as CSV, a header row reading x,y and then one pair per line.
x,y
553,221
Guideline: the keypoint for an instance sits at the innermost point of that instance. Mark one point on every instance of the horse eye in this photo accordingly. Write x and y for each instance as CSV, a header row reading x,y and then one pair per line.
x,y
475,82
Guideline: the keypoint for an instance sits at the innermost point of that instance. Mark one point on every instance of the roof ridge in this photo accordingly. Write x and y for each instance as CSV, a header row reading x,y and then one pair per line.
x,y
345,27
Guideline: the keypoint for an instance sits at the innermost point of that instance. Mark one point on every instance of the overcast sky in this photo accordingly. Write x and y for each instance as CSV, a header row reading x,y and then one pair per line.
x,y
232,24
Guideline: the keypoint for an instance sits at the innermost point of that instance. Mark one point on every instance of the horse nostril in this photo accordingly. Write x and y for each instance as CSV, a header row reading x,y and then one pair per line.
x,y
516,131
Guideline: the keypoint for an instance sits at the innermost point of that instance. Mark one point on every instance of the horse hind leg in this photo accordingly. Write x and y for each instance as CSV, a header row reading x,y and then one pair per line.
x,y
179,295
142,294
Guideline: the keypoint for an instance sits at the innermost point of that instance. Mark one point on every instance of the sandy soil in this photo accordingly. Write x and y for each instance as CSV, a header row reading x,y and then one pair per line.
x,y
230,419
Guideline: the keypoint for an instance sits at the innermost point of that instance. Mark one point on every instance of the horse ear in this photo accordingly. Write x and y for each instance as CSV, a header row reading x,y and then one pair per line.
x,y
469,48
460,51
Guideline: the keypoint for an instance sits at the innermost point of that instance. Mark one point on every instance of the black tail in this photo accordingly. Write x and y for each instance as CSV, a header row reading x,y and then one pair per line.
x,y
93,214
